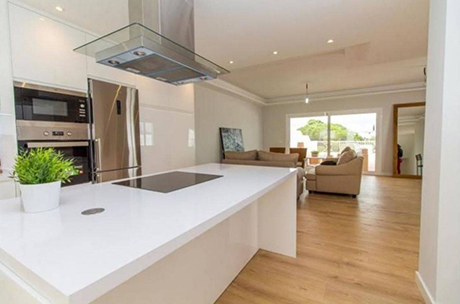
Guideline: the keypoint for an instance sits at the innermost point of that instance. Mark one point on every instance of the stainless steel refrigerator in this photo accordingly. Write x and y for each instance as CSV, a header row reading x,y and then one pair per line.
x,y
115,131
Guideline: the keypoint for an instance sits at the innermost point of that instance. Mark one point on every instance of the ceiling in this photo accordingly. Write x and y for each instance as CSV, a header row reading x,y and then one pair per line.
x,y
418,112
98,16
408,118
376,43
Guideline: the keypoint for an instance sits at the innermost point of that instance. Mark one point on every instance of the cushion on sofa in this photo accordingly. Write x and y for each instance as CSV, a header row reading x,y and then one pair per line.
x,y
247,155
270,156
346,149
346,157
328,163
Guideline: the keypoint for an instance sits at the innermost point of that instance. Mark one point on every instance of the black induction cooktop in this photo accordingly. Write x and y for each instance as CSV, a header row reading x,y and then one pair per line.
x,y
168,182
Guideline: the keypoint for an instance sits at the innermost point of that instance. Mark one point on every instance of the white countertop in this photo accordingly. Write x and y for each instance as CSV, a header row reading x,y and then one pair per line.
x,y
78,258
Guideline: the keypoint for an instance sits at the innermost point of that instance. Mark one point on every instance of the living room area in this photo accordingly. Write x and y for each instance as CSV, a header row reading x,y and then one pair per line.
x,y
336,113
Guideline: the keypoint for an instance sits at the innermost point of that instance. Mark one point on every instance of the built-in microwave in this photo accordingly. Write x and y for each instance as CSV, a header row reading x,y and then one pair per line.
x,y
40,103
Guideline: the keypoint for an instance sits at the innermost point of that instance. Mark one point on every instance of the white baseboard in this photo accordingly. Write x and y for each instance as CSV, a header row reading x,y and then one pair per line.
x,y
423,289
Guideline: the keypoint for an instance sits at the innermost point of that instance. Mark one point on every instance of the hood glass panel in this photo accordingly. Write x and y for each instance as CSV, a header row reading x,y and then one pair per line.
x,y
136,30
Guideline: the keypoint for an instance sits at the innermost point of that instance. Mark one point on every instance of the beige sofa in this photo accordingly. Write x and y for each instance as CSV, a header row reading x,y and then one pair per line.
x,y
268,159
341,178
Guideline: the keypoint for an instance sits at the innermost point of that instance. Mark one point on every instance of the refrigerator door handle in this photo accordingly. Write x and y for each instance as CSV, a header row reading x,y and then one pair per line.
x,y
97,147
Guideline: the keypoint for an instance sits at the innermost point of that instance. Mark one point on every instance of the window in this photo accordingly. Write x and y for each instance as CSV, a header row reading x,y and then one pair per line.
x,y
329,134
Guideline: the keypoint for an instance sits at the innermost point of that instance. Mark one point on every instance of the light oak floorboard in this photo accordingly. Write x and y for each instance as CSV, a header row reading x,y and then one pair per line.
x,y
362,250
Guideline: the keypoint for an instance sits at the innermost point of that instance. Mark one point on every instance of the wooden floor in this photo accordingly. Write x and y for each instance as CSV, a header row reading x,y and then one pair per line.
x,y
362,250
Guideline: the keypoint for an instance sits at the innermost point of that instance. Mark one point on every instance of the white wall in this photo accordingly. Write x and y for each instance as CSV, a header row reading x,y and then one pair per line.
x,y
407,142
167,115
439,264
274,118
7,115
419,137
214,109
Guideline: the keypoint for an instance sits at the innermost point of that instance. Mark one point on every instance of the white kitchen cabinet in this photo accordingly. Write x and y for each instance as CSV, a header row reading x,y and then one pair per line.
x,y
7,188
42,50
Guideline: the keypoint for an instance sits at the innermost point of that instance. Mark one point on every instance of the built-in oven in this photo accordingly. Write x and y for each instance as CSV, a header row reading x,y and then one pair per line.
x,y
55,118
39,103
71,139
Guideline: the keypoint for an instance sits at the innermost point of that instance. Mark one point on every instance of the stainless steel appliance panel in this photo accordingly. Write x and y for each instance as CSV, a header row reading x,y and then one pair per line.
x,y
115,126
117,174
54,118
78,151
51,130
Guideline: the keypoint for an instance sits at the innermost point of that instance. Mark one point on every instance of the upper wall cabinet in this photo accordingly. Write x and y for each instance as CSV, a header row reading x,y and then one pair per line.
x,y
42,50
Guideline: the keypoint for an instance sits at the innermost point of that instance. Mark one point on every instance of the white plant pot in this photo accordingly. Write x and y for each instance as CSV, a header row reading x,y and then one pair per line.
x,y
40,197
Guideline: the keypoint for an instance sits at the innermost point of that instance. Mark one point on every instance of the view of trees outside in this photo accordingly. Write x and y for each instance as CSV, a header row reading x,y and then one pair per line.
x,y
355,130
298,138
317,130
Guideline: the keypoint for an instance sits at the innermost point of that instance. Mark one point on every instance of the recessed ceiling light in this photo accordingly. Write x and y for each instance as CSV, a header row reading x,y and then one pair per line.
x,y
58,8
231,62
330,41
275,53
41,19
113,62
140,53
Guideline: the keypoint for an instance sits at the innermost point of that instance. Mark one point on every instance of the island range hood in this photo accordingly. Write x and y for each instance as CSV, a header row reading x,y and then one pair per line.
x,y
159,43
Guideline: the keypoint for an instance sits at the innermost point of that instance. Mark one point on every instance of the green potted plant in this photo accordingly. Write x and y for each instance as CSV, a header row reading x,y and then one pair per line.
x,y
40,173
314,153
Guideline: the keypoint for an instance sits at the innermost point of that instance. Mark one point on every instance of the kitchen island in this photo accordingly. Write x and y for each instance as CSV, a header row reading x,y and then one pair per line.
x,y
184,246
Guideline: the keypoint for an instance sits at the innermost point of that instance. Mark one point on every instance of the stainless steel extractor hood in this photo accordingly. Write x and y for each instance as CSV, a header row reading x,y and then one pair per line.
x,y
159,43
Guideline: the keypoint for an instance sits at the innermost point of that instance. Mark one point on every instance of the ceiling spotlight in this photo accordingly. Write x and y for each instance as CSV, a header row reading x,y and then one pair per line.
x,y
140,53
275,53
58,8
306,95
330,41
231,62
41,19
113,62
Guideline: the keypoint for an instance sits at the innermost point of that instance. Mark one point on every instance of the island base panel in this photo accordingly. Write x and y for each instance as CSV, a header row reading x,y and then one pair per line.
x,y
14,291
200,271
277,219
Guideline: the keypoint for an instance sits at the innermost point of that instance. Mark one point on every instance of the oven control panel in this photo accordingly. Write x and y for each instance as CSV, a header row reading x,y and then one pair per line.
x,y
57,133
37,130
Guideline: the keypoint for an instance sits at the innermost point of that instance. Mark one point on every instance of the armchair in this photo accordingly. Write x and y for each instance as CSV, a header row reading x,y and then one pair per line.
x,y
345,178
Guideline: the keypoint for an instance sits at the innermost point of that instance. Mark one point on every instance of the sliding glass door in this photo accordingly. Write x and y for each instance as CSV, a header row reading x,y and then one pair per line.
x,y
329,134
310,133
357,131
